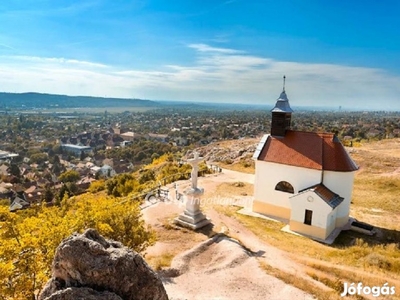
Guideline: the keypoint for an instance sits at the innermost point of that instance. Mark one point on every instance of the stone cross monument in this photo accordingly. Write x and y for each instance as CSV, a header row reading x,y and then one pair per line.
x,y
192,217
194,162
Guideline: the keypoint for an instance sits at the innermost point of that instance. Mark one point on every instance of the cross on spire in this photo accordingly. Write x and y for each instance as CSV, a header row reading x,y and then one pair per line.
x,y
284,79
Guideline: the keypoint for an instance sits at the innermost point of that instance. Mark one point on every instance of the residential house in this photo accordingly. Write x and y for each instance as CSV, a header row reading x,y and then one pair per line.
x,y
163,138
107,171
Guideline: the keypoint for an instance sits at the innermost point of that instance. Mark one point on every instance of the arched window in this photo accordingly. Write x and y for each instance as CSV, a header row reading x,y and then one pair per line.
x,y
284,186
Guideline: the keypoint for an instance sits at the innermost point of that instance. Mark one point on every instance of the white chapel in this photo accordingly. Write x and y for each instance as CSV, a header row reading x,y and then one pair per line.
x,y
303,178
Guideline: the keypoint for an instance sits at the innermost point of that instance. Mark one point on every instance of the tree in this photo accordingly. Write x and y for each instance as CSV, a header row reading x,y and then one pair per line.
x,y
82,155
14,170
140,156
29,238
57,168
147,175
154,156
50,151
62,193
56,160
39,158
57,149
72,188
97,186
69,176
121,185
48,194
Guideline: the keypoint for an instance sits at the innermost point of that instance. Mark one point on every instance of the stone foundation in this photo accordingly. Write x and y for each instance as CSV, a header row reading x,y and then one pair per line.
x,y
192,217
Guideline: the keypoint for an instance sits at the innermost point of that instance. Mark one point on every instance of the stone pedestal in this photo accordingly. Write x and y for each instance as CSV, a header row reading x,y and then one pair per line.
x,y
192,217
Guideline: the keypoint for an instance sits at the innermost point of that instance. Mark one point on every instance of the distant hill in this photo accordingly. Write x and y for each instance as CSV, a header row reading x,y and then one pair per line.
x,y
48,101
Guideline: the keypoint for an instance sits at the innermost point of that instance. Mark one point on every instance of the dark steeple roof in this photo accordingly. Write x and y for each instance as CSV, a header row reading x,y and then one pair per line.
x,y
282,104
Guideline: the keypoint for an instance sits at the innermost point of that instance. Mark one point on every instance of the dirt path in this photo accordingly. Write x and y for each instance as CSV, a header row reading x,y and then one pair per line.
x,y
233,176
220,268
224,269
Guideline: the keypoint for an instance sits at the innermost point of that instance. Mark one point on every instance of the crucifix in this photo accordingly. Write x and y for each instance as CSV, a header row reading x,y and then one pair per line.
x,y
194,162
192,217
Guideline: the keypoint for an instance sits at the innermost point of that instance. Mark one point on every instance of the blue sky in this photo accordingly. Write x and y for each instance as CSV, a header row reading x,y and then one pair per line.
x,y
332,53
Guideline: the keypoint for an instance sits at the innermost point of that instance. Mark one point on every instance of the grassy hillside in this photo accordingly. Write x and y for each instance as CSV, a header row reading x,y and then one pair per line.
x,y
377,183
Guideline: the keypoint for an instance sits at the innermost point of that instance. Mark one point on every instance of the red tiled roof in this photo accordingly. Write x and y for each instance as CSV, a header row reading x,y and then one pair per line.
x,y
324,192
320,151
328,196
332,199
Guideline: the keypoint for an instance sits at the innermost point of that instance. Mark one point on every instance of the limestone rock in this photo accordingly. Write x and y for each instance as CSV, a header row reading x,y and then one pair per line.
x,y
82,293
89,263
234,152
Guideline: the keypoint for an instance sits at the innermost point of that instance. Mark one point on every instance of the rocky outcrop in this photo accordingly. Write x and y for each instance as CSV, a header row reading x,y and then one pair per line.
x,y
224,151
82,293
87,266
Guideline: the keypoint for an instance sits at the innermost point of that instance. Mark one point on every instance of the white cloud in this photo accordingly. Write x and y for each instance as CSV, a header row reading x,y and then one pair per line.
x,y
34,60
207,48
6,46
218,75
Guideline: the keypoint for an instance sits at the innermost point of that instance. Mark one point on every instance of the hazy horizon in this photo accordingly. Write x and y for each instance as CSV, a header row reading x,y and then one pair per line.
x,y
266,106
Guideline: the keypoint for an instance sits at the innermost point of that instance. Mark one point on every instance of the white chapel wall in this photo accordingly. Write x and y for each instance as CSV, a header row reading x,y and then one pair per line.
x,y
340,183
318,206
268,174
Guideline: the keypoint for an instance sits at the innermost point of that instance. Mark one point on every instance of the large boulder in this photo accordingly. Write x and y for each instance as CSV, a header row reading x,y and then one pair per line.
x,y
87,266
73,293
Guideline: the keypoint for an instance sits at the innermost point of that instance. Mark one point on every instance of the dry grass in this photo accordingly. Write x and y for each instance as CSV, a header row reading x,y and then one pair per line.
x,y
377,184
351,249
246,166
348,260
169,232
302,283
161,261
382,157
175,240
233,194
335,276
234,189
270,232
377,192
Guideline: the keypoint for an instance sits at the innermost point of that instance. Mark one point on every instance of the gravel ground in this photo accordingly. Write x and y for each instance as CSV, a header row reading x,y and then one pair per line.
x,y
220,268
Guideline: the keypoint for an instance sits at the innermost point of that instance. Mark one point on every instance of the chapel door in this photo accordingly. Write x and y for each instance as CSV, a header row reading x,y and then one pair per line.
x,y
308,217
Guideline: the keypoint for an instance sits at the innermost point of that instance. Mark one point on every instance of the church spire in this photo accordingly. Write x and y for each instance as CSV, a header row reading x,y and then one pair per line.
x,y
282,104
281,114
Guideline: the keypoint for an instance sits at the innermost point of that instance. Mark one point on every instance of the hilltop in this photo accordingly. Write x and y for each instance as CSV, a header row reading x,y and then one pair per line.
x,y
244,255
298,262
51,101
